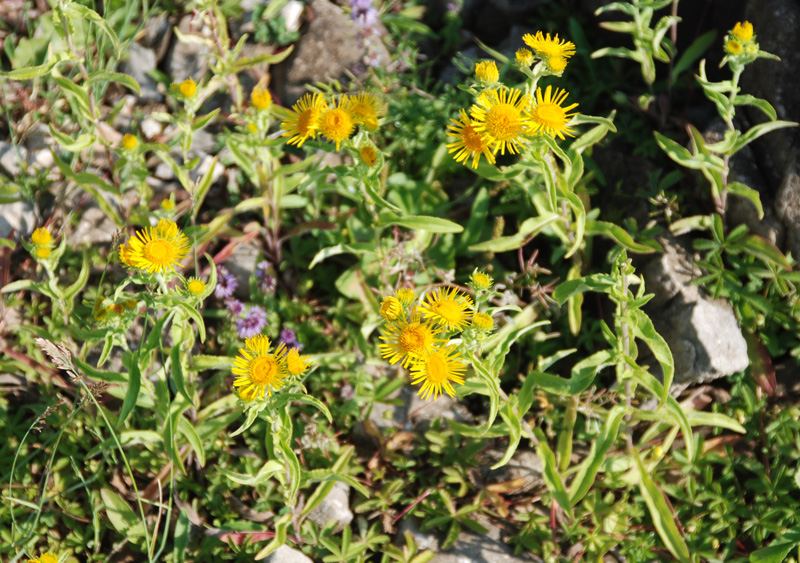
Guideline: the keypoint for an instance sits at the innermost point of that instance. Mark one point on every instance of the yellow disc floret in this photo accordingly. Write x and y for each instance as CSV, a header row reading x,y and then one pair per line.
x,y
408,338
500,114
365,109
743,31
448,307
336,123
524,57
261,98
295,363
41,237
195,287
483,321
156,249
391,308
549,117
129,141
188,88
733,47
261,371
368,155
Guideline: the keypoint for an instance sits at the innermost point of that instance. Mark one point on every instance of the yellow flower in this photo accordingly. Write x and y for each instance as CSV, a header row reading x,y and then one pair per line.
x,y
483,321
481,280
129,141
733,47
366,108
500,114
405,295
295,363
743,31
408,338
368,155
260,370
391,308
546,47
130,303
524,57
470,143
41,237
548,115
336,123
252,127
156,249
48,557
261,98
557,64
100,313
195,287
43,252
168,205
448,307
486,73
188,88
304,120
126,255
117,308
437,370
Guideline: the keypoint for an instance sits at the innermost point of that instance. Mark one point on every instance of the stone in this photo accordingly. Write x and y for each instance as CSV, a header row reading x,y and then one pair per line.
x,y
524,465
94,227
286,554
472,548
140,62
787,207
241,264
164,172
157,33
424,540
703,334
18,217
421,412
334,507
11,157
199,171
188,60
150,128
203,143
331,45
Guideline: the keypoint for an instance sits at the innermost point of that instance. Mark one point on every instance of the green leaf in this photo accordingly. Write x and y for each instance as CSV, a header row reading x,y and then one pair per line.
x,y
600,283
692,53
746,191
355,248
551,475
426,223
176,370
121,516
282,399
203,186
74,10
36,71
194,314
582,376
527,229
758,130
763,249
587,470
780,547
660,513
201,362
191,435
281,524
493,389
514,425
182,529
105,76
19,285
645,330
269,469
683,157
293,465
618,235
134,386
763,105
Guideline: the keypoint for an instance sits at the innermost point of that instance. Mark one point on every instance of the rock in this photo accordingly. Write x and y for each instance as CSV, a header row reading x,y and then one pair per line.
x,y
703,334
241,264
188,60
292,13
424,540
331,45
157,33
491,20
18,217
150,128
472,548
286,554
524,465
421,413
335,506
164,172
11,157
203,143
199,171
93,228
139,63
787,207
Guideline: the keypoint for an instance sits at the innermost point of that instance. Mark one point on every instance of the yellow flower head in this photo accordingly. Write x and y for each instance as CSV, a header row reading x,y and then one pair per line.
x,y
168,205
195,286
117,308
408,338
438,371
130,303
336,123
481,281
500,114
368,155
261,98
743,31
156,249
100,313
260,369
486,73
43,253
405,295
48,557
524,57
129,141
391,308
470,143
188,88
733,47
41,237
295,363
304,119
365,109
557,64
483,321
546,47
549,117
448,307
252,128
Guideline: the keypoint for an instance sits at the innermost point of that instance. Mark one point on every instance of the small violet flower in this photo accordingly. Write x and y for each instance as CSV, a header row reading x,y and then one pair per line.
x,y
266,281
226,283
235,307
253,322
289,339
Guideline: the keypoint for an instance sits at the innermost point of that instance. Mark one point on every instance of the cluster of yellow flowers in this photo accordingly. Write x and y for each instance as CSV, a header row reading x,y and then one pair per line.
x,y
335,121
740,43
42,244
502,118
417,334
262,370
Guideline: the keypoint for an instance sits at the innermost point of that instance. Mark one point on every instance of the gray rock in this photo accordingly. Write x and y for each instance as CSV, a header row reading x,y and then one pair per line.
x,y
335,506
202,143
472,548
787,206
242,263
188,60
18,217
703,334
286,554
94,227
421,412
11,158
139,63
150,128
164,172
157,33
424,540
330,46
524,465
200,170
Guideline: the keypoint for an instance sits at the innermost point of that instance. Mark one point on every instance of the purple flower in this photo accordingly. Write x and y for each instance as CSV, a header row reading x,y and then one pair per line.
x,y
266,281
235,307
363,12
253,322
289,339
226,283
